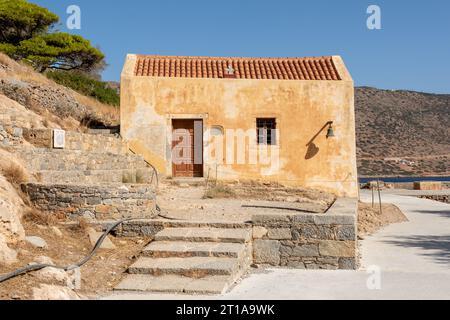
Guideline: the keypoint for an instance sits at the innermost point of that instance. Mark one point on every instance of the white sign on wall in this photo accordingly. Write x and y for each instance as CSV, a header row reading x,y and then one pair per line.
x,y
59,139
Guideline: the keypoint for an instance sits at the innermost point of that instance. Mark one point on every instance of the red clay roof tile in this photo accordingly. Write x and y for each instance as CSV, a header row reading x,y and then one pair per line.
x,y
315,68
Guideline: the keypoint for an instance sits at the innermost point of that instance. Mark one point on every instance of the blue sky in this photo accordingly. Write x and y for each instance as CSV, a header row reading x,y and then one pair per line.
x,y
412,50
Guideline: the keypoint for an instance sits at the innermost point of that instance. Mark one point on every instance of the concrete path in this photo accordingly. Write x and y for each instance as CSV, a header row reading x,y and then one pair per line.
x,y
404,261
420,245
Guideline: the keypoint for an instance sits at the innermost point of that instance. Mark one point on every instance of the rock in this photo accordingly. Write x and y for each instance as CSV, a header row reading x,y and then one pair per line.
x,y
296,265
7,255
259,232
345,249
308,250
266,252
11,207
23,252
94,236
52,274
37,242
51,292
43,260
347,264
280,234
57,232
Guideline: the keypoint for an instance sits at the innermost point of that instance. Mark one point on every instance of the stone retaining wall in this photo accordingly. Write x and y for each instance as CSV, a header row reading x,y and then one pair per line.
x,y
95,202
308,241
43,138
440,198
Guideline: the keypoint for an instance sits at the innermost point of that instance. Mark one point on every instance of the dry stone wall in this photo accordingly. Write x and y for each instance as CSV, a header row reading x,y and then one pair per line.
x,y
308,241
101,202
440,198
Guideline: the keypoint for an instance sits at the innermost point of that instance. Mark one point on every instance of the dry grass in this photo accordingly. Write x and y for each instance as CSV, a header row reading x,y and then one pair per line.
x,y
108,114
14,174
128,178
38,217
219,191
5,60
99,276
82,225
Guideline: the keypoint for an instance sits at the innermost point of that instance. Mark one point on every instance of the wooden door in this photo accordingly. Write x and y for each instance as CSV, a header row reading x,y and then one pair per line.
x,y
187,148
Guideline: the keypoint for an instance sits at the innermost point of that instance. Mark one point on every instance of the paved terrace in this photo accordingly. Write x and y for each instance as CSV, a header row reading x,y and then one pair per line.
x,y
413,257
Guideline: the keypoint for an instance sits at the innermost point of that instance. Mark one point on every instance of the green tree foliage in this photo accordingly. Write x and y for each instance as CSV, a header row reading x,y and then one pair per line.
x,y
59,51
85,85
20,20
24,36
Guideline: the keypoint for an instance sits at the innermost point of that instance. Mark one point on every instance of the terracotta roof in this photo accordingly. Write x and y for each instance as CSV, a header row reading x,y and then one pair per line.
x,y
318,68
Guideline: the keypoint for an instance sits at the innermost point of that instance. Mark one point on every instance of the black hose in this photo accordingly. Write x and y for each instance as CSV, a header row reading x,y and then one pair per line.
x,y
37,267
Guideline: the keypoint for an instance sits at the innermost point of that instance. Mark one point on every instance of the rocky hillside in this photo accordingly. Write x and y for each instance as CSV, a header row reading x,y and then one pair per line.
x,y
402,132
45,97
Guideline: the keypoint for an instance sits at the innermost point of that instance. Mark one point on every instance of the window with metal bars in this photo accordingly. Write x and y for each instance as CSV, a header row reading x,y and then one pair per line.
x,y
266,131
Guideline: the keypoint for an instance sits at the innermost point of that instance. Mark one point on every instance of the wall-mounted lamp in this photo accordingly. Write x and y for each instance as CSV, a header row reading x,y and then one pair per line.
x,y
330,132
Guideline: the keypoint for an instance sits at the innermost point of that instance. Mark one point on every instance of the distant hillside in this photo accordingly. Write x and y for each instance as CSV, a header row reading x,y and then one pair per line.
x,y
402,132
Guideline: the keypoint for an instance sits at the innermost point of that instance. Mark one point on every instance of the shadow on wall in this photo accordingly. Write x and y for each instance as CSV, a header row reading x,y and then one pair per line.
x,y
437,247
313,149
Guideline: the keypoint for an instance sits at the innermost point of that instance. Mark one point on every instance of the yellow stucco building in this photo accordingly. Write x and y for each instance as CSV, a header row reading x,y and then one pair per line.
x,y
289,120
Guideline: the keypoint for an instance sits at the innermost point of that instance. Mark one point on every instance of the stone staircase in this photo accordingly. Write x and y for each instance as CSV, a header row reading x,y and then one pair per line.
x,y
79,166
94,175
191,260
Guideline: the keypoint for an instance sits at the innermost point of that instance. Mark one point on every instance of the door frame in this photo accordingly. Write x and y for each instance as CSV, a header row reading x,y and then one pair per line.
x,y
170,117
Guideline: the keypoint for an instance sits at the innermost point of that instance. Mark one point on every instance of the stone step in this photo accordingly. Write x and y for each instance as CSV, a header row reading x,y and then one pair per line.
x,y
204,235
168,249
43,138
68,160
143,175
193,267
174,284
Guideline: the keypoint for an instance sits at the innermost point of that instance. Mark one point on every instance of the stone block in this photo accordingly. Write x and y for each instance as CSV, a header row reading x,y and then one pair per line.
x,y
259,232
286,251
347,264
303,218
266,252
307,250
279,234
310,231
345,249
296,265
346,232
263,219
335,219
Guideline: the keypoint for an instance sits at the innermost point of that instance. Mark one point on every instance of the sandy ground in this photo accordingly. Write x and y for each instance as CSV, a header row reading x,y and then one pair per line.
x,y
98,276
371,219
190,203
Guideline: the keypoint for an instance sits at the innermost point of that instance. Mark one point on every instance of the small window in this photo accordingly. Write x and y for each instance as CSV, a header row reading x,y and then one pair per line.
x,y
266,131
